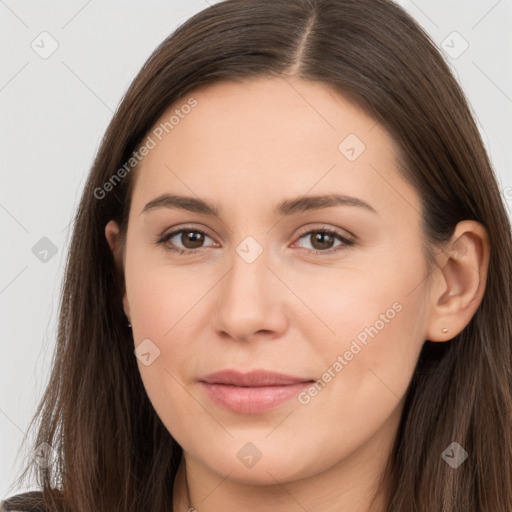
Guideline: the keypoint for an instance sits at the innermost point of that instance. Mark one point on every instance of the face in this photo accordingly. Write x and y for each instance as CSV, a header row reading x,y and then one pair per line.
x,y
330,293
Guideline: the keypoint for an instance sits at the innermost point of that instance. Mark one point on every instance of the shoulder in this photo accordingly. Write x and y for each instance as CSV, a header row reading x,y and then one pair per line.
x,y
26,502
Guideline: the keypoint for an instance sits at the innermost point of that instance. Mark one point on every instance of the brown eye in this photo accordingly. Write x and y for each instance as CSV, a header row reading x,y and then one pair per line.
x,y
191,239
185,240
322,241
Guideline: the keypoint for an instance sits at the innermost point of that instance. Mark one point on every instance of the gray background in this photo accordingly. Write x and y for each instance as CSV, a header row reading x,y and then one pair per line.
x,y
54,111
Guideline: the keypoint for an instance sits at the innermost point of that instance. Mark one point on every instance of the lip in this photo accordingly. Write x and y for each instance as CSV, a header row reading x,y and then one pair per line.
x,y
254,392
253,378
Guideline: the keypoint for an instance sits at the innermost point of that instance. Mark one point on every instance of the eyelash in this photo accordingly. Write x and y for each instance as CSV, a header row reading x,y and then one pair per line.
x,y
189,252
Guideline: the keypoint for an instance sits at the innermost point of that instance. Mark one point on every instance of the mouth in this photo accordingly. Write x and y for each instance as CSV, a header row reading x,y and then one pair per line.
x,y
254,392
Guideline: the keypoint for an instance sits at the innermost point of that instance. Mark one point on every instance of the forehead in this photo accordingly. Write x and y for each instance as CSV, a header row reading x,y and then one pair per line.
x,y
266,137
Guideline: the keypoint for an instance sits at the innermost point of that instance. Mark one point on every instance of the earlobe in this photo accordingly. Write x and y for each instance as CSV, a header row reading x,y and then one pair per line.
x,y
460,281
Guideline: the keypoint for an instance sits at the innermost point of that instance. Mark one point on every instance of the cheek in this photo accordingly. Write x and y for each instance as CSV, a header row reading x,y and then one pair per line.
x,y
367,331
167,306
335,306
366,368
161,305
161,297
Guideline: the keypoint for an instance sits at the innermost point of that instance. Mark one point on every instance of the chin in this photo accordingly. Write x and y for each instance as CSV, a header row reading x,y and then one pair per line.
x,y
266,465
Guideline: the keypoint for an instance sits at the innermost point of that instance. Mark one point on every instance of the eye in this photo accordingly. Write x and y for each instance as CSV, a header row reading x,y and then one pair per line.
x,y
322,240
192,239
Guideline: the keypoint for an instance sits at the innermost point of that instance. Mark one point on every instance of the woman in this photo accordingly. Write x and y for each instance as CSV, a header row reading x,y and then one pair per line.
x,y
208,359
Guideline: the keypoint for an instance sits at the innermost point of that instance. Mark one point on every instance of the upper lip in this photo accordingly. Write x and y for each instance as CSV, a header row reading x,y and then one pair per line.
x,y
252,378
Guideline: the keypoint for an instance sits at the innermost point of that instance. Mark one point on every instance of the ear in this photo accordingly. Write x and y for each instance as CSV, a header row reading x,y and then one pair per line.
x,y
459,281
112,235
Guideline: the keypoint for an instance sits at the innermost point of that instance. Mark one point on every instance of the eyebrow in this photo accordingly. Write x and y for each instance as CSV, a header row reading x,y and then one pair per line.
x,y
286,208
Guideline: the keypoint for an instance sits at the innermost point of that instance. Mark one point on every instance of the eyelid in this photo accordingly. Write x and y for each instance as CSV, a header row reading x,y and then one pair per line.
x,y
185,227
304,230
327,227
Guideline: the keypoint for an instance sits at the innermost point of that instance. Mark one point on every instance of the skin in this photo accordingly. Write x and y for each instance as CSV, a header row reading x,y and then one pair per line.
x,y
245,148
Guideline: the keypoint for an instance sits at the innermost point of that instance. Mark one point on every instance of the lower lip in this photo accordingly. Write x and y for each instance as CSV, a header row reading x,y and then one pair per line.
x,y
252,400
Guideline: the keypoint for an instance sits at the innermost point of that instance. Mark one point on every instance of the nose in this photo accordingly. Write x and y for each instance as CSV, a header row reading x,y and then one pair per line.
x,y
250,302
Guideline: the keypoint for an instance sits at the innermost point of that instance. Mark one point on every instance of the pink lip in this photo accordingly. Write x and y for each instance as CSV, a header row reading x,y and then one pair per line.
x,y
253,392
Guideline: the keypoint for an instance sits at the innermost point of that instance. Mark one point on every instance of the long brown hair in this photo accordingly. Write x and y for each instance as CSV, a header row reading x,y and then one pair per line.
x,y
113,453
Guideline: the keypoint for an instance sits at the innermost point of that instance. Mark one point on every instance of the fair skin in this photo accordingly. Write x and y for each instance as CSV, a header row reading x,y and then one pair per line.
x,y
245,149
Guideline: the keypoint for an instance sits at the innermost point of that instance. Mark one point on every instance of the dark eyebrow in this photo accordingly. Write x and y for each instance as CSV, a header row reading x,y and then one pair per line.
x,y
306,203
287,207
